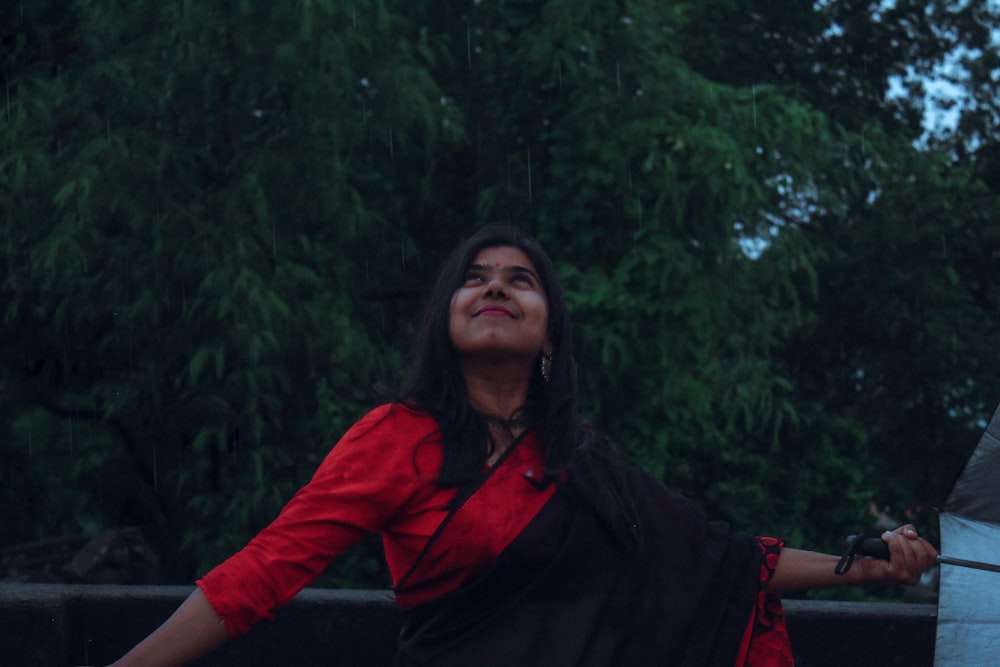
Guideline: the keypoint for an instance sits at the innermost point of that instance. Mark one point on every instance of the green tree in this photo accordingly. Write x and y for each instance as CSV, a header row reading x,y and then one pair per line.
x,y
903,315
219,222
178,206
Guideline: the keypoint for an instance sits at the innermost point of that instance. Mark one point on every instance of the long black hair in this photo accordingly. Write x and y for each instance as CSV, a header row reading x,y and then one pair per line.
x,y
574,451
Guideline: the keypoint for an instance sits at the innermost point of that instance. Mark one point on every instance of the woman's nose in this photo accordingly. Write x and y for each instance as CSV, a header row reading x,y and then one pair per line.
x,y
494,287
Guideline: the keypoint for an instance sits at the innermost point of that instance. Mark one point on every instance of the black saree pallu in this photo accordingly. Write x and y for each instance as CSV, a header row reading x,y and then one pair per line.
x,y
565,593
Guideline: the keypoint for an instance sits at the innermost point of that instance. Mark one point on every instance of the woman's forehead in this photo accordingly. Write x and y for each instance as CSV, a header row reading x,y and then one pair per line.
x,y
503,256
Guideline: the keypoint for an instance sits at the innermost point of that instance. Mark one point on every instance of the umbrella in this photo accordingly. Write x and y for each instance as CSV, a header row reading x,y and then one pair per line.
x,y
969,599
968,631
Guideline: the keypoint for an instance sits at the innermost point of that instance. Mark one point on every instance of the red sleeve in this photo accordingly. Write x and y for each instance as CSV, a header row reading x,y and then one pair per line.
x,y
766,642
375,469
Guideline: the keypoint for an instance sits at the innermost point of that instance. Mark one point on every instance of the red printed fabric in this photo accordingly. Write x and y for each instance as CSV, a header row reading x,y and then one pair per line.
x,y
766,641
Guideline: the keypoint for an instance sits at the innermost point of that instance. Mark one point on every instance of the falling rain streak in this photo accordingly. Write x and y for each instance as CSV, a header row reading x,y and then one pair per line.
x,y
529,175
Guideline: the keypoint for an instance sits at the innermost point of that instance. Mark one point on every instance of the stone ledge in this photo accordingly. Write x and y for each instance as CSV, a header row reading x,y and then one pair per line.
x,y
57,625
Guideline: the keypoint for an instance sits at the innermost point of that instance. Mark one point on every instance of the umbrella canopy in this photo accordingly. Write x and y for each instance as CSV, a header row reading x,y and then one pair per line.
x,y
968,630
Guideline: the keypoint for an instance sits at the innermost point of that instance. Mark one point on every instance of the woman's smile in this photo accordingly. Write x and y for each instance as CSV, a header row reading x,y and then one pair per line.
x,y
494,311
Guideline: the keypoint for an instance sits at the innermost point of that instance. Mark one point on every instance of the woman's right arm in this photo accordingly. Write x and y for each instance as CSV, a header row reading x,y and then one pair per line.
x,y
361,482
190,633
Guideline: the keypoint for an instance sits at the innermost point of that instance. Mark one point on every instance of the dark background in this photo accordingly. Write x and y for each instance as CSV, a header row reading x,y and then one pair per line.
x,y
218,221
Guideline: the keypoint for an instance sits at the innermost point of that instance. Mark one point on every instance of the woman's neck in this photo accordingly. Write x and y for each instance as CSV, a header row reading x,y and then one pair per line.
x,y
496,392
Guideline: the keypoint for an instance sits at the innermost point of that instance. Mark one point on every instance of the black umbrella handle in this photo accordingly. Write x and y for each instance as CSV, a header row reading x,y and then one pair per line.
x,y
861,545
875,547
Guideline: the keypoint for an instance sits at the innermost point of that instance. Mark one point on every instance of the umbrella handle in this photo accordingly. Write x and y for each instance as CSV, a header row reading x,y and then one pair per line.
x,y
874,547
866,545
861,545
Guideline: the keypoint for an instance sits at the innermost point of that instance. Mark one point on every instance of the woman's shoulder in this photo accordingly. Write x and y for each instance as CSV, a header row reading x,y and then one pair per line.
x,y
389,437
393,420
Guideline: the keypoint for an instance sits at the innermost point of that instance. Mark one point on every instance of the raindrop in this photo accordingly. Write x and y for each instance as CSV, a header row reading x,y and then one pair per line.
x,y
529,174
627,20
365,83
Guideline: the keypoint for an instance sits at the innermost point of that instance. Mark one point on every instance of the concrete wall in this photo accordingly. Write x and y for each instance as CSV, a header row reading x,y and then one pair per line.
x,y
44,625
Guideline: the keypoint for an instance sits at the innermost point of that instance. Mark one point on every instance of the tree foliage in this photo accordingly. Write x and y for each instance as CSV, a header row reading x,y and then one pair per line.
x,y
219,220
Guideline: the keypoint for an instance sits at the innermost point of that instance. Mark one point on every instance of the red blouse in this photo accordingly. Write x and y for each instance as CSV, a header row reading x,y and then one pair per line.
x,y
379,477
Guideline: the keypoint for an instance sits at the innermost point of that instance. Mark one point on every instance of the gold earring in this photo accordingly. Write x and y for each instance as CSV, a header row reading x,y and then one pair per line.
x,y
547,364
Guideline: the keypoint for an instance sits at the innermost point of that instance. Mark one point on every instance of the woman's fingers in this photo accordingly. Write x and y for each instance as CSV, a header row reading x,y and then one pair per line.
x,y
910,555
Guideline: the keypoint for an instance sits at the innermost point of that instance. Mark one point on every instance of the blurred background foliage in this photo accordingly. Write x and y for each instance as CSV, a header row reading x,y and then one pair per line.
x,y
219,221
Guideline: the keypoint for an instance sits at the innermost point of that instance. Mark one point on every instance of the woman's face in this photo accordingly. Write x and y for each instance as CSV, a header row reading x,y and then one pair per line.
x,y
500,311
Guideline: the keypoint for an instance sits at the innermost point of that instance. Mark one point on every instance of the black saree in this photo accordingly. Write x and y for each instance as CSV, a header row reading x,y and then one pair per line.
x,y
564,594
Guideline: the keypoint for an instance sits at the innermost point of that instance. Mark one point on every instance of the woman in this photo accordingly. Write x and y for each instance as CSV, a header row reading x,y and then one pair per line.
x,y
513,531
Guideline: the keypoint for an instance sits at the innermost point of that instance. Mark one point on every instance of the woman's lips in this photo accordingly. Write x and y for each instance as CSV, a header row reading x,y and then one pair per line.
x,y
494,311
